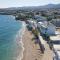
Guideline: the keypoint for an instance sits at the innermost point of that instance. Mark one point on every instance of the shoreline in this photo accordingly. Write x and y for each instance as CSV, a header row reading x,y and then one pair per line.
x,y
31,50
19,37
23,32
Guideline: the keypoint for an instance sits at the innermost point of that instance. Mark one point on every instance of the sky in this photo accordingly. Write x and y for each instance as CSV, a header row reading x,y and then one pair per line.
x,y
20,3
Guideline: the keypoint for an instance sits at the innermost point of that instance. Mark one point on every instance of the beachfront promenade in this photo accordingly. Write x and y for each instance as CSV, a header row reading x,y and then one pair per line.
x,y
32,50
48,54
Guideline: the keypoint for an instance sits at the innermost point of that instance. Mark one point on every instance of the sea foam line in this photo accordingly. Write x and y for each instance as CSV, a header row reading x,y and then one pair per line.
x,y
19,36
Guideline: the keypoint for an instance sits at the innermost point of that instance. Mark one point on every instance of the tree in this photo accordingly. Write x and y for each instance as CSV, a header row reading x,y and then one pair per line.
x,y
49,18
35,32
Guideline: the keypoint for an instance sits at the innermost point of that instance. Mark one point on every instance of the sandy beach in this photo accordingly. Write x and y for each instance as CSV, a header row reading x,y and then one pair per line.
x,y
32,50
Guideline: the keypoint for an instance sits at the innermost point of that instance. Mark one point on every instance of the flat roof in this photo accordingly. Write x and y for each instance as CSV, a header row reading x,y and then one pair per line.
x,y
43,24
58,52
55,38
57,32
46,24
56,47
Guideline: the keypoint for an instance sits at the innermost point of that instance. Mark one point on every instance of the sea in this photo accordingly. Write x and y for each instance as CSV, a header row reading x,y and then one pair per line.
x,y
11,31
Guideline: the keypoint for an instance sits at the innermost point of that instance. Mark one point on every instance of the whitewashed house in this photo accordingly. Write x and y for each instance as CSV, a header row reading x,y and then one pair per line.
x,y
46,28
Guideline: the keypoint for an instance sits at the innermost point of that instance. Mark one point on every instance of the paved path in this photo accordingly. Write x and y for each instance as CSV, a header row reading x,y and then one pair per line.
x,y
48,54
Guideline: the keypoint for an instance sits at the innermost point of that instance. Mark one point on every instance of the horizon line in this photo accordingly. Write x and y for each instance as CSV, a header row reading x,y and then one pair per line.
x,y
29,5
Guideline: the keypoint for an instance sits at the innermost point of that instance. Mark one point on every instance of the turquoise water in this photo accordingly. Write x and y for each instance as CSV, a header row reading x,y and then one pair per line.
x,y
9,49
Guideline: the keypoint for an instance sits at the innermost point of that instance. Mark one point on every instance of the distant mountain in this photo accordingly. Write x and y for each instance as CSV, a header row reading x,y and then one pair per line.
x,y
49,6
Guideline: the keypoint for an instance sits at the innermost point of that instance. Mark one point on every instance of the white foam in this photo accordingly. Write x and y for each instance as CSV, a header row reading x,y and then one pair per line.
x,y
19,39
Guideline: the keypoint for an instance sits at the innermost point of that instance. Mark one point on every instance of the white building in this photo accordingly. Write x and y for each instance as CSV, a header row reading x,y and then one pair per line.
x,y
32,24
55,40
46,28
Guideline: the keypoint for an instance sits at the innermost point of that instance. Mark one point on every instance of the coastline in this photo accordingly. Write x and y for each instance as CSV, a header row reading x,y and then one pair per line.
x,y
31,50
22,34
19,37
